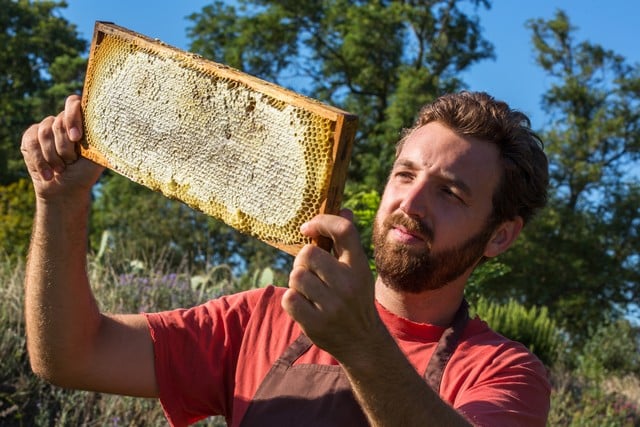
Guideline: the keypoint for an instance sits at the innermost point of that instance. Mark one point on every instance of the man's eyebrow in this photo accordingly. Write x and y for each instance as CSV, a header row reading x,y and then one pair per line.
x,y
443,175
404,162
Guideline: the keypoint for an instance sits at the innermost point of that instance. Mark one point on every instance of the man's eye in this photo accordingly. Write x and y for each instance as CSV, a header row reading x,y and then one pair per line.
x,y
450,193
403,175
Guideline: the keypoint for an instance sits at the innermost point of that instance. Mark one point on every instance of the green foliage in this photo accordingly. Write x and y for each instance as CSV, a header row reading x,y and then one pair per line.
x,y
364,205
530,326
481,277
40,62
16,212
123,286
586,405
380,59
142,222
614,349
581,257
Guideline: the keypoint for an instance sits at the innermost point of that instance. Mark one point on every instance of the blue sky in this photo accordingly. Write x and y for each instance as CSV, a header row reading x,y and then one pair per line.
x,y
512,76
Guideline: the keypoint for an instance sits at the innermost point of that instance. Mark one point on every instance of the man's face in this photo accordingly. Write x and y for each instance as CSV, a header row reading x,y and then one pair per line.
x,y
431,227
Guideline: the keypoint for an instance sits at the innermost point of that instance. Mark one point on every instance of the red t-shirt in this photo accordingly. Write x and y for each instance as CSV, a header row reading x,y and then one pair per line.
x,y
210,360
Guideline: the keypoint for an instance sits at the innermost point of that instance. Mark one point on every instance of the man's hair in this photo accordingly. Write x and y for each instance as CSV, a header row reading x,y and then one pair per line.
x,y
522,189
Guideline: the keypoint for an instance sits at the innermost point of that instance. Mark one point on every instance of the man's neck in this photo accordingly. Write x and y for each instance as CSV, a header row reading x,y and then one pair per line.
x,y
437,307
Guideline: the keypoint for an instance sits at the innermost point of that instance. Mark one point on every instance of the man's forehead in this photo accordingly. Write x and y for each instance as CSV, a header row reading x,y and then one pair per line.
x,y
431,140
459,158
435,137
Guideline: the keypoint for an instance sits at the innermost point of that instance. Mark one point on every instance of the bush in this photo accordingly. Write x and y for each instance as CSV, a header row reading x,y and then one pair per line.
x,y
611,350
17,206
364,205
26,400
579,403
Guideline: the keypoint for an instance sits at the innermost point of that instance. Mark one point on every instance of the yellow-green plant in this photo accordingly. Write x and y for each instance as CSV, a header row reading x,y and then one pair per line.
x,y
16,214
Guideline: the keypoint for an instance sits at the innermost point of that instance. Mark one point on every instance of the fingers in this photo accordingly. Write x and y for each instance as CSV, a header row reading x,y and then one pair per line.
x,y
318,264
299,308
340,229
310,296
66,149
50,146
73,118
331,297
310,285
326,282
298,301
37,165
311,303
334,272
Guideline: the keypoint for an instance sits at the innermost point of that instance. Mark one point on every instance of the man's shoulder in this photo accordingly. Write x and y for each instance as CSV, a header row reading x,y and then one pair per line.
x,y
480,341
259,304
257,297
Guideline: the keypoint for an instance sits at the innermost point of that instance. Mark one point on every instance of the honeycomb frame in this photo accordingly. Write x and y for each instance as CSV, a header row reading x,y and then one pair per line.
x,y
259,157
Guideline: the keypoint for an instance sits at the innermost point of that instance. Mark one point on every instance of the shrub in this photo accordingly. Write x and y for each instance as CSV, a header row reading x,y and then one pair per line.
x,y
579,403
611,350
17,206
26,400
364,205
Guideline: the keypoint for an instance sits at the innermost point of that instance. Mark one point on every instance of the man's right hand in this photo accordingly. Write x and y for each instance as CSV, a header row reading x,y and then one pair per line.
x,y
50,151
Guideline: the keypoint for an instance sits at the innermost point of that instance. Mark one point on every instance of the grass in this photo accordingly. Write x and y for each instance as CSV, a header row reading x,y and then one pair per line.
x,y
123,286
26,400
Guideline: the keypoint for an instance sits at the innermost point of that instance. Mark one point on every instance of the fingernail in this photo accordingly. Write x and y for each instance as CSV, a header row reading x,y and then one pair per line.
x,y
304,226
47,174
74,134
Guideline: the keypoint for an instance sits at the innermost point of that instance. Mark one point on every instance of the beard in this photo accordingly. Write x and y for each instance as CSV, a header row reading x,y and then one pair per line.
x,y
414,270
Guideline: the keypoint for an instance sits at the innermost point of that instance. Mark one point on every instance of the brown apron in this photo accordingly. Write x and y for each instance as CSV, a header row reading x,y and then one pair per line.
x,y
320,395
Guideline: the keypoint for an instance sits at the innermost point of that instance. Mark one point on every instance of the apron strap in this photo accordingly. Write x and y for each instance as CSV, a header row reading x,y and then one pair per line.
x,y
295,350
446,346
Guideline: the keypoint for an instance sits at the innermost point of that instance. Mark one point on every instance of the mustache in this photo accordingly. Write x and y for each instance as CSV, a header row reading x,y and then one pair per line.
x,y
412,225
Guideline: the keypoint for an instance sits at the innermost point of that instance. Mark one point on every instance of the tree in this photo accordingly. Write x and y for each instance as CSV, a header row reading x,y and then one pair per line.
x,y
582,256
381,59
40,63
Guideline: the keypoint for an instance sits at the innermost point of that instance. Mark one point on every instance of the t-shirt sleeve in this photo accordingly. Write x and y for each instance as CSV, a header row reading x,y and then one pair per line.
x,y
196,352
512,390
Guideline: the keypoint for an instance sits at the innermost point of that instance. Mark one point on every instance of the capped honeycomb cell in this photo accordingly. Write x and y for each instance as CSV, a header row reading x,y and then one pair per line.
x,y
259,157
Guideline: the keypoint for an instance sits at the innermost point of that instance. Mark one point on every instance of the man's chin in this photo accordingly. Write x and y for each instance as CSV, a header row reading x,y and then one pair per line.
x,y
408,283
418,249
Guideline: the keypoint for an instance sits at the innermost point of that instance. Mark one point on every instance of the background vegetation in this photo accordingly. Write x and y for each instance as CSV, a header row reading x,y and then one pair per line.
x,y
563,290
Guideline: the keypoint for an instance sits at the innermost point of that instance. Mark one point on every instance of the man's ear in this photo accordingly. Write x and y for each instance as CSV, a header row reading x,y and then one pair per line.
x,y
503,237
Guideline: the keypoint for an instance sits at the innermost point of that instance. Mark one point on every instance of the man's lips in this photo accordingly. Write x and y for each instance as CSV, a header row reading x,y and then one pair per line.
x,y
404,235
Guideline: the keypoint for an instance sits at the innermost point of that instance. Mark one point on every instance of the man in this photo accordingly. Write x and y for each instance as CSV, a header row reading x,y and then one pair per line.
x,y
336,347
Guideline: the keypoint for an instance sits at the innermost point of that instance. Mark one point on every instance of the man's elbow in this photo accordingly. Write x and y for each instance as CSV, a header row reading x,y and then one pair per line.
x,y
46,367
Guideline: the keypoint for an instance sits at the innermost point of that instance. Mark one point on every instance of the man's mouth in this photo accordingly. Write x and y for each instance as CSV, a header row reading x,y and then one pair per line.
x,y
405,235
408,231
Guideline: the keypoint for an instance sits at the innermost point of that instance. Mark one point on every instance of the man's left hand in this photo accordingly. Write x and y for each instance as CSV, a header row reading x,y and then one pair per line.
x,y
331,296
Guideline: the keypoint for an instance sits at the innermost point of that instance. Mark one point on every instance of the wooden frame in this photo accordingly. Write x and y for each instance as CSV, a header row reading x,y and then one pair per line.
x,y
113,122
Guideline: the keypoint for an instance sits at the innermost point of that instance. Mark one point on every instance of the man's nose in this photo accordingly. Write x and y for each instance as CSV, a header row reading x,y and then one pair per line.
x,y
415,200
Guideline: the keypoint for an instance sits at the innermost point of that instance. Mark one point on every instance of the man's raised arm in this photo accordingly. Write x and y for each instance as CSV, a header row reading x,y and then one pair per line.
x,y
70,342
